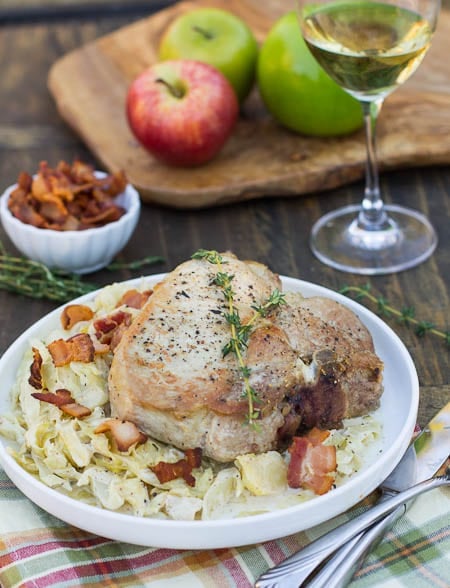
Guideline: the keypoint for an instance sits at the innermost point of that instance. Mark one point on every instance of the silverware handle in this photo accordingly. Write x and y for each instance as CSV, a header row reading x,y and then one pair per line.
x,y
292,572
340,568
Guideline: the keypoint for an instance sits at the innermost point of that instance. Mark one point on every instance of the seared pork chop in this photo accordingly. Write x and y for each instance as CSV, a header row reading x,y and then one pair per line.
x,y
311,363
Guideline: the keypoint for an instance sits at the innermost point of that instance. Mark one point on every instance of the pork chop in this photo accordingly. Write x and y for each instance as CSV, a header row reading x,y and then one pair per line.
x,y
311,362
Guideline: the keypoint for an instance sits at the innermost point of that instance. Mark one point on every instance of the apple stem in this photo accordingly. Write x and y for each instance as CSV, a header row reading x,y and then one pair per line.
x,y
203,32
176,92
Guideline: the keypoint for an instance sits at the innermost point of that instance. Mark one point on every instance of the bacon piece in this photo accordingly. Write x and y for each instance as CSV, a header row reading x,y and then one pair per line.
x,y
62,185
165,471
135,299
24,181
58,398
40,184
76,410
61,352
52,208
70,224
80,171
35,379
117,335
75,313
113,184
124,433
69,197
21,206
76,348
317,436
312,464
109,329
102,216
100,348
194,457
62,398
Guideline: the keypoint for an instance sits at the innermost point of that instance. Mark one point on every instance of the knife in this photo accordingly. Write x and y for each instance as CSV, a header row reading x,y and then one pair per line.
x,y
433,445
431,448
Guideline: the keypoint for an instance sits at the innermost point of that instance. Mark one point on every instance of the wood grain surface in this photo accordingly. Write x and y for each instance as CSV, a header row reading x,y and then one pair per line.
x,y
89,86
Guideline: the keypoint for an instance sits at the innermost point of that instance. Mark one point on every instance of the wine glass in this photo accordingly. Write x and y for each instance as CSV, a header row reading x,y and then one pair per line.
x,y
369,48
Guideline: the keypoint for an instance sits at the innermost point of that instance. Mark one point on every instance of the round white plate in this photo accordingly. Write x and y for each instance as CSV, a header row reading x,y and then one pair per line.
x,y
397,413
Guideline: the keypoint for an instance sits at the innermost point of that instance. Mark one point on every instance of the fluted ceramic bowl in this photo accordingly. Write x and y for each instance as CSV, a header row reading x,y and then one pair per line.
x,y
78,252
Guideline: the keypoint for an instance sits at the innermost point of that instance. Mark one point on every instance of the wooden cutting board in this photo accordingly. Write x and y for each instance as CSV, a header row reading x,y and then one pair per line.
x,y
89,86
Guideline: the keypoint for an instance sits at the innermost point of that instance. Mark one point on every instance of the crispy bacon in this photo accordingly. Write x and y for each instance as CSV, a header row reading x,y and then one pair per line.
x,y
312,464
62,398
76,410
124,433
109,329
53,209
24,181
117,335
104,214
194,457
317,436
58,398
76,348
106,324
21,208
165,471
40,184
35,379
75,313
134,299
68,197
100,348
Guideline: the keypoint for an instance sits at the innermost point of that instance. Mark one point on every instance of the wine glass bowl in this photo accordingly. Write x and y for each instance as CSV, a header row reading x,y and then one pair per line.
x,y
369,48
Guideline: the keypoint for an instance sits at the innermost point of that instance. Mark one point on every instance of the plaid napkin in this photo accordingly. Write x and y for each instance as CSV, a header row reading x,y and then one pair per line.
x,y
38,550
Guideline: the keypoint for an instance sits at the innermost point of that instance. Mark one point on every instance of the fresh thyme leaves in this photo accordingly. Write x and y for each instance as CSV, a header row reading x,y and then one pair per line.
x,y
274,300
210,255
405,315
34,279
239,332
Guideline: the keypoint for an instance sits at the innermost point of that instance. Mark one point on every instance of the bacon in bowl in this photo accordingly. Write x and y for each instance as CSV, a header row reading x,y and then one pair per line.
x,y
71,218
67,197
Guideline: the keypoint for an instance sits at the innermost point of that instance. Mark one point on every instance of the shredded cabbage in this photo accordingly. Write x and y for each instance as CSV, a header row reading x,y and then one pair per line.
x,y
66,454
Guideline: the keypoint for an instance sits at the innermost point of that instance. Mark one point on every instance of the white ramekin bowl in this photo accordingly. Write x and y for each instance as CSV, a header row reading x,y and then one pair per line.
x,y
79,252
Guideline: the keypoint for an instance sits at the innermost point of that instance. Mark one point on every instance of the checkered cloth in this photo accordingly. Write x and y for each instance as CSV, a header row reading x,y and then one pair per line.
x,y
38,550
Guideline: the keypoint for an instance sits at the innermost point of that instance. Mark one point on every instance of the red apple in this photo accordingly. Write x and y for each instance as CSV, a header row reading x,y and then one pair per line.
x,y
182,111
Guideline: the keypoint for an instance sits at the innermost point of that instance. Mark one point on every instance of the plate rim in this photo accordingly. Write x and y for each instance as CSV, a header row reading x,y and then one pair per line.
x,y
250,529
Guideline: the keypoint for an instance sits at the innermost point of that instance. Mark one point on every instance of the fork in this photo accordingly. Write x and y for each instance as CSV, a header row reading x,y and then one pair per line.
x,y
293,572
340,568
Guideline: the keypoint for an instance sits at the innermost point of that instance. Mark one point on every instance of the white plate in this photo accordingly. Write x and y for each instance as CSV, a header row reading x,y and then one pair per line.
x,y
398,413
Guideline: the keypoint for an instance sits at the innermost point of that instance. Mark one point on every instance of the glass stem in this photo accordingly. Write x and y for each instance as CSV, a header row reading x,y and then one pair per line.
x,y
372,215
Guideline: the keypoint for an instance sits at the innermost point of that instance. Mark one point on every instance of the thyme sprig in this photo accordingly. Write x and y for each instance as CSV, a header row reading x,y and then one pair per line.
x,y
405,316
239,332
33,279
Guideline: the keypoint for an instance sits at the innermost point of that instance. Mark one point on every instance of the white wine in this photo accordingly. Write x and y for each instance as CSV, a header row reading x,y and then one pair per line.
x,y
368,48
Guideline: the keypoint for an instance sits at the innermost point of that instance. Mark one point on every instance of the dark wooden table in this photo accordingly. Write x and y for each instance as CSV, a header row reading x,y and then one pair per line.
x,y
274,230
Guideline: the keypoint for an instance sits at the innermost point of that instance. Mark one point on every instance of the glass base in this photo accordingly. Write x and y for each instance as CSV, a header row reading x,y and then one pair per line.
x,y
405,239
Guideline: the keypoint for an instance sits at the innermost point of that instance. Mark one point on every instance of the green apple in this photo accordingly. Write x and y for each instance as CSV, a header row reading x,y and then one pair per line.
x,y
216,37
297,91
